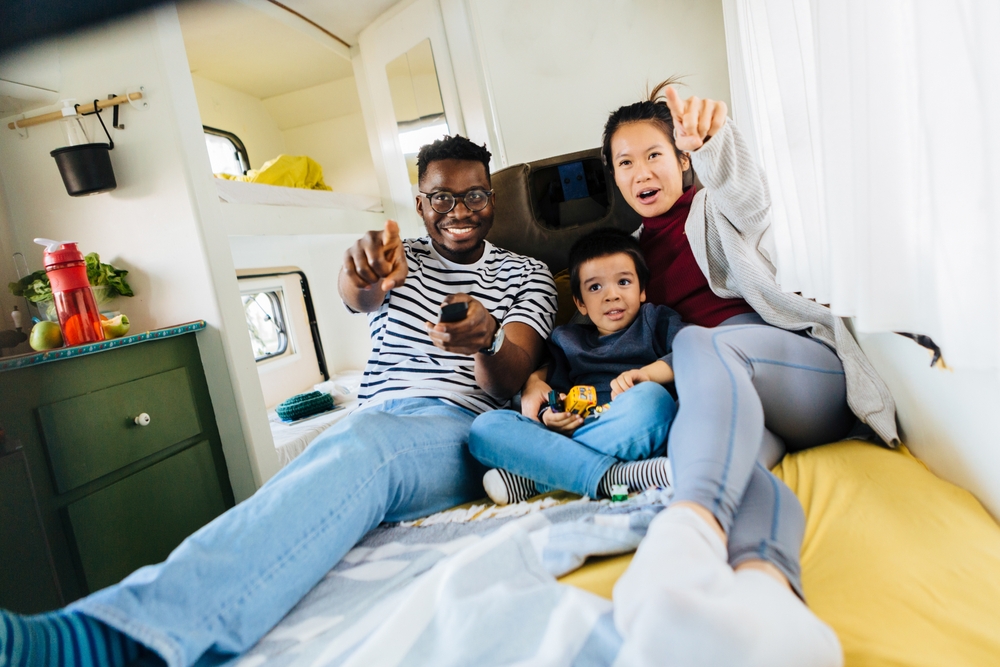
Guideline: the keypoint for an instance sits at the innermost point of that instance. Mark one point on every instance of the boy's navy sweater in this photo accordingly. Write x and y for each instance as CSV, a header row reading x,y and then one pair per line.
x,y
581,356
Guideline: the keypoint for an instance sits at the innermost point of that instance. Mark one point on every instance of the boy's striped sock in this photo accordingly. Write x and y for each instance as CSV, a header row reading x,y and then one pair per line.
x,y
62,639
505,488
637,475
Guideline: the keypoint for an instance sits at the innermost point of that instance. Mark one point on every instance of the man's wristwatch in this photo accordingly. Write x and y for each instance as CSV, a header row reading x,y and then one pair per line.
x,y
497,342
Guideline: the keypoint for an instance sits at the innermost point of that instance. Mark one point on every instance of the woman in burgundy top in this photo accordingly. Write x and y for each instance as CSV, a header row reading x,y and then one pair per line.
x,y
717,578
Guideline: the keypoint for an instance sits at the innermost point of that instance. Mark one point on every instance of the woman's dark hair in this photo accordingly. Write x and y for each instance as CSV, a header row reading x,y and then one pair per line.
x,y
454,147
653,109
601,243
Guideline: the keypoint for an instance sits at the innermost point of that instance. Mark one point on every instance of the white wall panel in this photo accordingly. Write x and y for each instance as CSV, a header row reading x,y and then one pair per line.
x,y
556,69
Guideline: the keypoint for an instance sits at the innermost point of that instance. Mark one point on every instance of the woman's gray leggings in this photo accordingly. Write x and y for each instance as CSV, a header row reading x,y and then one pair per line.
x,y
744,389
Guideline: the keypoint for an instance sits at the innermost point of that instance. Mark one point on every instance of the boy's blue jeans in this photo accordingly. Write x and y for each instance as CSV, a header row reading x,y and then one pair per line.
x,y
634,427
225,586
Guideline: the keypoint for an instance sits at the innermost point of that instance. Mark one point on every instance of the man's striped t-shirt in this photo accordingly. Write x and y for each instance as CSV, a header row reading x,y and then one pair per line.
x,y
406,364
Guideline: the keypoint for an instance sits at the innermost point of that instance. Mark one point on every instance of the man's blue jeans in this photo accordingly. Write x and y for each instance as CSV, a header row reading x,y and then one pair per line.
x,y
225,586
634,427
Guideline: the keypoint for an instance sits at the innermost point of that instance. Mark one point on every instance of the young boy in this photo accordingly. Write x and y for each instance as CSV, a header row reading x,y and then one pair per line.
x,y
624,352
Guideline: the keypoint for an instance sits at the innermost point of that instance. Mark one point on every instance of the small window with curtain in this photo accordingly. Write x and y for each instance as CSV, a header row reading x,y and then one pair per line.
x,y
266,323
226,152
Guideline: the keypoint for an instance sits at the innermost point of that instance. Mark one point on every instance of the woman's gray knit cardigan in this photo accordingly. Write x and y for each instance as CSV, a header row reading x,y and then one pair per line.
x,y
724,228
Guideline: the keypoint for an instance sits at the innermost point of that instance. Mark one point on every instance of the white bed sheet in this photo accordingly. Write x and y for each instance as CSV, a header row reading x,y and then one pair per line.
x,y
239,192
290,440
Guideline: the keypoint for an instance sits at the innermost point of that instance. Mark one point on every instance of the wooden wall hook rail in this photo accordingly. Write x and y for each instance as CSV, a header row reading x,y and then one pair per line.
x,y
81,110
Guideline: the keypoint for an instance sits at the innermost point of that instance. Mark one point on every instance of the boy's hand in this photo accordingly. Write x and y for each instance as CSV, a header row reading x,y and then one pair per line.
x,y
535,394
562,422
658,371
627,380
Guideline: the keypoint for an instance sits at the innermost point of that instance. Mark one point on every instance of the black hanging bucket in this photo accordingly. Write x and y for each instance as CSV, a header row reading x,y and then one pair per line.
x,y
86,168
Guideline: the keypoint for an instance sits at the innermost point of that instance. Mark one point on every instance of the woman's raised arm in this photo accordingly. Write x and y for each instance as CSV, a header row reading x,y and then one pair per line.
x,y
736,186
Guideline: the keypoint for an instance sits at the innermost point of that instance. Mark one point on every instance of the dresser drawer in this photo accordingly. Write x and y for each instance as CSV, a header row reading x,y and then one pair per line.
x,y
94,434
142,518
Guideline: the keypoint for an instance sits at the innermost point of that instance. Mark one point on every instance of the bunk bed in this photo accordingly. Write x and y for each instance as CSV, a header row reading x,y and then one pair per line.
x,y
239,192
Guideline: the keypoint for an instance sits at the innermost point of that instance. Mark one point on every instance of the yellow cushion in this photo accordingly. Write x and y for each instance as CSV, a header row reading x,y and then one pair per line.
x,y
903,565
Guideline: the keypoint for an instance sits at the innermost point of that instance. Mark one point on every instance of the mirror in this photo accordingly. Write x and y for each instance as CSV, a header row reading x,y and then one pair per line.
x,y
416,100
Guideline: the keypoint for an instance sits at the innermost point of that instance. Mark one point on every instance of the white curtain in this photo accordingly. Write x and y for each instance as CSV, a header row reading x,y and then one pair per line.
x,y
876,122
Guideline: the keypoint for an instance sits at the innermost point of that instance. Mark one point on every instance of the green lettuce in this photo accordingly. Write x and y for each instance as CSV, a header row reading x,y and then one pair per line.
x,y
105,274
35,287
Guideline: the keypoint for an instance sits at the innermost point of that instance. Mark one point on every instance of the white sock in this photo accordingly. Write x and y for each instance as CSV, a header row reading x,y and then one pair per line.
x,y
679,552
757,622
505,488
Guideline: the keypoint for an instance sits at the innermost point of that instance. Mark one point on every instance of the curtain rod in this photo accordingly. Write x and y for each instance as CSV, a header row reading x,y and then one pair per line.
x,y
81,110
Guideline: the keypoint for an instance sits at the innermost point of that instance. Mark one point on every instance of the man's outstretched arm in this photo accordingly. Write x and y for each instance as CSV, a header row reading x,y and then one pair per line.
x,y
372,266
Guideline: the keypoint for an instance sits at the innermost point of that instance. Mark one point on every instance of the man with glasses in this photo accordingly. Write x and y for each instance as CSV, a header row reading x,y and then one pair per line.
x,y
400,456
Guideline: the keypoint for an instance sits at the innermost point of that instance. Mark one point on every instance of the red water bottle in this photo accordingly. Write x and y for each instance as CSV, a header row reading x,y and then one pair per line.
x,y
79,318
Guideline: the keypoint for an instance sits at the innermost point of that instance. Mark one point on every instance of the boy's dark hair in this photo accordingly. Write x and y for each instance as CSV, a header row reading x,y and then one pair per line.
x,y
454,147
601,243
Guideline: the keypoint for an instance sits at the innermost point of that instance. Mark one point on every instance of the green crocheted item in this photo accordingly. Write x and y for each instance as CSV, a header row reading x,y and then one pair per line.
x,y
304,405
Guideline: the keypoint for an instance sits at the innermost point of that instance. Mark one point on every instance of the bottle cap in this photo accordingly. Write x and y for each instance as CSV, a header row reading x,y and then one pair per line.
x,y
59,252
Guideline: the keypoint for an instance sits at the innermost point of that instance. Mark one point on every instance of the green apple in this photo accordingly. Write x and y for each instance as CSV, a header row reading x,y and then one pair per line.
x,y
116,327
45,336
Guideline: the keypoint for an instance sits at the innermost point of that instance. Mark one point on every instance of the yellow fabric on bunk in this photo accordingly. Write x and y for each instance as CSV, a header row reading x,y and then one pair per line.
x,y
290,171
903,565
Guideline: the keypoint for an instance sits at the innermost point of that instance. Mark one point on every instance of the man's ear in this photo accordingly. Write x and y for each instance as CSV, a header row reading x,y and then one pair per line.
x,y
420,205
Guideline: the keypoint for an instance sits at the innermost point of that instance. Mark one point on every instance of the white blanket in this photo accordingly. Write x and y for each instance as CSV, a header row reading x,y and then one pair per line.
x,y
477,593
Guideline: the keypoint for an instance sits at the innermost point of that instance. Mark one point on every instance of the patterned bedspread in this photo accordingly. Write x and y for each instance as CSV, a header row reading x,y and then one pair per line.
x,y
467,587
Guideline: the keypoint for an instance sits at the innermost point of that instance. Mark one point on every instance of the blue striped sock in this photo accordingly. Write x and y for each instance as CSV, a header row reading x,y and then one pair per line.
x,y
62,639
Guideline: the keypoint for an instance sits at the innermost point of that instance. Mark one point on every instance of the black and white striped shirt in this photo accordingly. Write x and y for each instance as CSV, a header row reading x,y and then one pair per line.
x,y
406,364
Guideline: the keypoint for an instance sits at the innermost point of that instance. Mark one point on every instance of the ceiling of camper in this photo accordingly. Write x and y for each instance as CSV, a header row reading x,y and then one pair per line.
x,y
231,43
344,18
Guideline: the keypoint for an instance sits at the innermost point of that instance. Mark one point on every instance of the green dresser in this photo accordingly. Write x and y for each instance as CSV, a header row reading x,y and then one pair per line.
x,y
109,460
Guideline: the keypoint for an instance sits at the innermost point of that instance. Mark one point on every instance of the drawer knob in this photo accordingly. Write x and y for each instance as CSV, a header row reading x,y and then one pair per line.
x,y
142,420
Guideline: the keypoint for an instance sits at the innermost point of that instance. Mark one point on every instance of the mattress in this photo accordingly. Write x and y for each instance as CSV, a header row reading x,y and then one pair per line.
x,y
290,440
904,566
238,192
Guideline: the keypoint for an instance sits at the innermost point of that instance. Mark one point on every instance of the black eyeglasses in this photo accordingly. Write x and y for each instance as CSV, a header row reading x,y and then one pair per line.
x,y
444,202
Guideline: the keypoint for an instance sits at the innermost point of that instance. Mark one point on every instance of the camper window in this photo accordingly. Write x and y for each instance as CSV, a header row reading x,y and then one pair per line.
x,y
226,152
266,322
